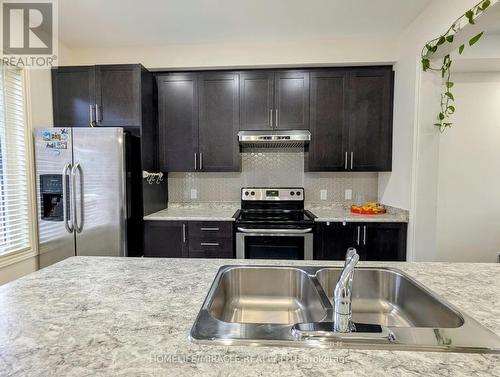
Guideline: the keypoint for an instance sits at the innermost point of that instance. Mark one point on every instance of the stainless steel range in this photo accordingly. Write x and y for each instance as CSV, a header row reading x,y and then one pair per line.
x,y
273,224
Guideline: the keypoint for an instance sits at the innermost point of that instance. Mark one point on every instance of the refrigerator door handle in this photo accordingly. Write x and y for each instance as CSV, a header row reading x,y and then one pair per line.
x,y
69,227
78,225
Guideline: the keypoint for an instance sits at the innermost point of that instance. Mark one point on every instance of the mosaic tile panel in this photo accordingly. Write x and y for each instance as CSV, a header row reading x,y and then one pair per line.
x,y
274,169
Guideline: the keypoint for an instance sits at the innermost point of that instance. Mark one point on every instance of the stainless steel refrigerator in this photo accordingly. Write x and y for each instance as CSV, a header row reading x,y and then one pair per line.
x,y
81,177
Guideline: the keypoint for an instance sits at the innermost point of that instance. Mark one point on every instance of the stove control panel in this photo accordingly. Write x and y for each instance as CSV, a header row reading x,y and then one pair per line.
x,y
272,194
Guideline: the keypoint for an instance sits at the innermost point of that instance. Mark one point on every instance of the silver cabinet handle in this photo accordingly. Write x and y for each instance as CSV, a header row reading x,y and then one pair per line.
x,y
209,229
201,161
91,115
184,233
277,118
359,231
345,164
77,225
271,118
195,161
352,160
209,244
97,114
67,224
364,235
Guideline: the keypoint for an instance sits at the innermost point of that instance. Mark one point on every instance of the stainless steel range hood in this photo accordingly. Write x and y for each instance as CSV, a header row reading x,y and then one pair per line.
x,y
274,139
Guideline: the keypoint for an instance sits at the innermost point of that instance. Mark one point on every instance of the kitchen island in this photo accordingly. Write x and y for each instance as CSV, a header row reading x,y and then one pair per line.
x,y
131,317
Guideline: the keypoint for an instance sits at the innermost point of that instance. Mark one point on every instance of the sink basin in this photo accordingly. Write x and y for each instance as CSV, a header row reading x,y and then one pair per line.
x,y
292,306
272,295
386,297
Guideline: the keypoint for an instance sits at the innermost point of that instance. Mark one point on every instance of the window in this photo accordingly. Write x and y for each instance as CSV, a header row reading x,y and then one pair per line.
x,y
15,164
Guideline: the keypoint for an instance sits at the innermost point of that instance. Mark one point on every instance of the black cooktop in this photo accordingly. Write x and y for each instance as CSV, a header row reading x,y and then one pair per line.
x,y
275,216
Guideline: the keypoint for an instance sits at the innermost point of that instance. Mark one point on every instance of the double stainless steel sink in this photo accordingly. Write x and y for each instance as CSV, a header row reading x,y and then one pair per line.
x,y
292,306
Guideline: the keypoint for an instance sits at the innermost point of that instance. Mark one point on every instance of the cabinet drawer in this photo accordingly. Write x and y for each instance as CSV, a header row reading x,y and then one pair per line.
x,y
210,229
210,248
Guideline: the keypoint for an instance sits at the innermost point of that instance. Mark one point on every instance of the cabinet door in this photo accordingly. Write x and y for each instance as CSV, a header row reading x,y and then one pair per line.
x,y
328,127
385,241
333,239
166,239
118,95
292,100
178,122
257,100
72,96
219,122
370,119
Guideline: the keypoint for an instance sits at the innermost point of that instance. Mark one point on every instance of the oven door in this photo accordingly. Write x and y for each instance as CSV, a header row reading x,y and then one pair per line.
x,y
274,243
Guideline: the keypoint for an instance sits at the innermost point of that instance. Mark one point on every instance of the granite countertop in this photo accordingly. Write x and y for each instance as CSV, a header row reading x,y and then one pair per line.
x,y
196,212
340,213
225,211
96,316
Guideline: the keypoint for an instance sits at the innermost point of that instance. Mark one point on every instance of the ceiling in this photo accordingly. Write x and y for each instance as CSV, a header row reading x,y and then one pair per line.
x,y
121,23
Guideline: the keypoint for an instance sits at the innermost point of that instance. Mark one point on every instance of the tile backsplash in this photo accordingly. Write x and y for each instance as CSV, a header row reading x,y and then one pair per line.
x,y
267,168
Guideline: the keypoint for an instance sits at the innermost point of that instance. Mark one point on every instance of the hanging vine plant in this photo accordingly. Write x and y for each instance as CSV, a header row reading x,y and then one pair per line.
x,y
431,47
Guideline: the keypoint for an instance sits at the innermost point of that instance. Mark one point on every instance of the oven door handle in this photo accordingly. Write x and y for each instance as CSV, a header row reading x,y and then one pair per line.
x,y
275,231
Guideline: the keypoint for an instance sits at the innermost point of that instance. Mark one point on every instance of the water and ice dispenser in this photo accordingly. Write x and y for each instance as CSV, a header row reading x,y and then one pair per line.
x,y
51,197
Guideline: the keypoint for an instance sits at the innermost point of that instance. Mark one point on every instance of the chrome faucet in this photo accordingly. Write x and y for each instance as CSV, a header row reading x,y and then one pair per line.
x,y
342,295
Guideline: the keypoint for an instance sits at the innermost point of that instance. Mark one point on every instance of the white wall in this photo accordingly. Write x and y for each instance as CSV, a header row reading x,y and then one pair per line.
x,y
414,135
468,215
246,54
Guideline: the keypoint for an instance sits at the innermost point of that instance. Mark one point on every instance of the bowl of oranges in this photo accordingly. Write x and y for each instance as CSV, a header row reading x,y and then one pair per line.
x,y
370,208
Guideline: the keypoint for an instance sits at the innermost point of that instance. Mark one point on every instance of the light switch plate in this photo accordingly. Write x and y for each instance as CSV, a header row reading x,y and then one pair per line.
x,y
194,194
323,194
348,194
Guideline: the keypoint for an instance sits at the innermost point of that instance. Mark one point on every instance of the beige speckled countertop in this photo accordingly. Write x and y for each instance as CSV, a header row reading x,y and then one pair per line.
x,y
96,316
196,212
340,213
225,212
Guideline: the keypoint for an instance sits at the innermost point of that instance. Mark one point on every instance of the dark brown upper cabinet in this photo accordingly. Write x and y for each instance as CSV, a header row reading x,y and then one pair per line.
x,y
351,120
292,100
199,122
118,95
274,100
73,95
370,119
328,146
178,122
256,100
101,96
219,112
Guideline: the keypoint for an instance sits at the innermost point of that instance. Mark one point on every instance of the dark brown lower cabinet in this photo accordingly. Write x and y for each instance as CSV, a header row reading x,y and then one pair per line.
x,y
188,239
166,239
373,241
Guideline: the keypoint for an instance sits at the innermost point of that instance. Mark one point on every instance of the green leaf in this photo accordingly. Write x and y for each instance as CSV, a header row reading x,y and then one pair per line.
x,y
437,124
451,109
447,124
449,84
486,4
450,38
470,16
426,63
475,39
441,116
461,49
450,96
441,40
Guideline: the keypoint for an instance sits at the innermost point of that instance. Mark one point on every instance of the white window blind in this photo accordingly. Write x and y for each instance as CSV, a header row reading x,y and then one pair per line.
x,y
14,190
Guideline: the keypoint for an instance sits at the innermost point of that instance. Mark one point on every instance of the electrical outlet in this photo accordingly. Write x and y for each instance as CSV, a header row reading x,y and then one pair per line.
x,y
194,194
323,194
348,194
